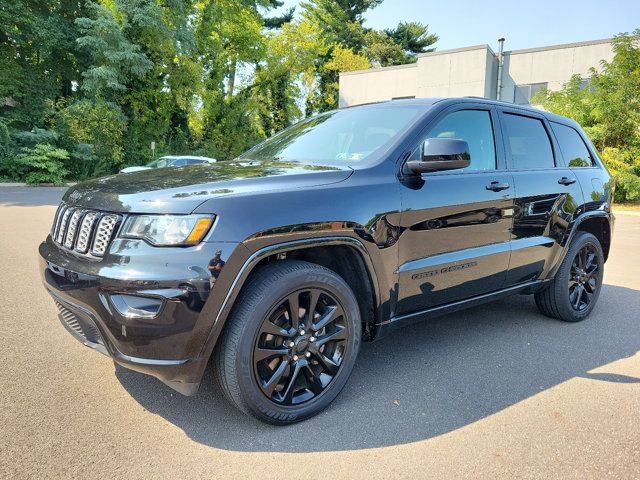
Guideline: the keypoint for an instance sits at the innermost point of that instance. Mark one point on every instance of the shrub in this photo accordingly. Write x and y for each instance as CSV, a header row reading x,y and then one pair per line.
x,y
37,136
4,139
43,163
4,150
98,124
624,165
86,164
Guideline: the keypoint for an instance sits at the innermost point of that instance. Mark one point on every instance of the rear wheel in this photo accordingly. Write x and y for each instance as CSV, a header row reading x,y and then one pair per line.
x,y
290,343
574,291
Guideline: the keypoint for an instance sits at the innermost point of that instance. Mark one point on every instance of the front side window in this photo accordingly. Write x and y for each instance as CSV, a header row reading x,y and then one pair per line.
x,y
528,142
474,127
339,137
574,151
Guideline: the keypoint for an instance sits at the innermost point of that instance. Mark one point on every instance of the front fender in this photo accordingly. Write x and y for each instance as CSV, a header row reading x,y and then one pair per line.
x,y
220,308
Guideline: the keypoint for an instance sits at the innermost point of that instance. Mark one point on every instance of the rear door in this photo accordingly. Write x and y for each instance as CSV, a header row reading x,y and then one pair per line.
x,y
593,179
456,224
547,194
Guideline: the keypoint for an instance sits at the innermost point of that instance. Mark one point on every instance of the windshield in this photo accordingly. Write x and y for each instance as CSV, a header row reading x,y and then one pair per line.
x,y
341,136
159,163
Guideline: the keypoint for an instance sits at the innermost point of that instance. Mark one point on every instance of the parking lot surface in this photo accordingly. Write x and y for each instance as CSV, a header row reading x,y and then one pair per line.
x,y
493,391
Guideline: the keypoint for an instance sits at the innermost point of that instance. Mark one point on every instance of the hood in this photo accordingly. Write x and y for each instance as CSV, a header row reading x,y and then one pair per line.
x,y
182,189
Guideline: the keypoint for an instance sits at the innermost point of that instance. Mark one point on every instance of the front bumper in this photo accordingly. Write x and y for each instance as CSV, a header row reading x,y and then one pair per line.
x,y
167,343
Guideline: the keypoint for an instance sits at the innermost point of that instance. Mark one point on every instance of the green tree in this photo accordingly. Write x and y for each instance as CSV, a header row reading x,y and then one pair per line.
x,y
38,58
102,79
413,37
341,25
43,163
609,110
99,126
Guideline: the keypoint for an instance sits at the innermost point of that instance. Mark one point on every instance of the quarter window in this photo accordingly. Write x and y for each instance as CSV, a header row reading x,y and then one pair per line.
x,y
574,151
528,142
473,126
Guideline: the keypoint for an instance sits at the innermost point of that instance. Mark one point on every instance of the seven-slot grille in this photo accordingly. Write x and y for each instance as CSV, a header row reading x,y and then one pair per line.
x,y
84,231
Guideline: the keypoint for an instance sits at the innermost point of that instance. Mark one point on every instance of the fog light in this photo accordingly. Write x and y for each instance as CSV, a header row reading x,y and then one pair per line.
x,y
132,306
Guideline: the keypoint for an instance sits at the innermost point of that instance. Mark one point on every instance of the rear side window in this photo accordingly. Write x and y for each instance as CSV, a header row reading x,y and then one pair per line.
x,y
574,151
473,126
528,142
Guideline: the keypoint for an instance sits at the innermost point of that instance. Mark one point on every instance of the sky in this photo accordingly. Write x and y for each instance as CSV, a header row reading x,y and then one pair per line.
x,y
461,23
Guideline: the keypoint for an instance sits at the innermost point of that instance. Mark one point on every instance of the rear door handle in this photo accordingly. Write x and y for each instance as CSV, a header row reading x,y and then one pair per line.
x,y
497,186
566,181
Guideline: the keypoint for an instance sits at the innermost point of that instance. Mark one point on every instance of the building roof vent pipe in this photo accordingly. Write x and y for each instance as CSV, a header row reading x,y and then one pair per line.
x,y
500,64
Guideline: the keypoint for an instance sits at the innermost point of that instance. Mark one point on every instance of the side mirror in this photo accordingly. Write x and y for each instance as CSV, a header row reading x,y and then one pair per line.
x,y
441,154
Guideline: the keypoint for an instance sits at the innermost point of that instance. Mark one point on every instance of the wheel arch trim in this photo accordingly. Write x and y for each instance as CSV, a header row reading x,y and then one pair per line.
x,y
575,227
284,247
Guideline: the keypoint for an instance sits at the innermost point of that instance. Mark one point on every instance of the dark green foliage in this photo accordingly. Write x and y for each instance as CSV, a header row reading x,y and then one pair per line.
x,y
342,25
413,37
36,136
43,163
86,86
609,111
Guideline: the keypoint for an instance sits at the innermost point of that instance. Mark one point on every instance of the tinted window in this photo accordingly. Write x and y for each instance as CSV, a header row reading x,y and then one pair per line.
x,y
528,141
178,163
473,126
573,149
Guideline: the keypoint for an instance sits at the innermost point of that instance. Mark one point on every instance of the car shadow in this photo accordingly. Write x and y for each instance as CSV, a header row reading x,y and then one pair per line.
x,y
424,380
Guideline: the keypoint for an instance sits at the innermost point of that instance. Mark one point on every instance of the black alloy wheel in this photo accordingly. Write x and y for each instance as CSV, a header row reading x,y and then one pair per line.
x,y
584,277
572,293
290,342
300,346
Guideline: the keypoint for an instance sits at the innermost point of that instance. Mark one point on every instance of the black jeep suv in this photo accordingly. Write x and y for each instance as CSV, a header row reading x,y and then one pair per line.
x,y
275,266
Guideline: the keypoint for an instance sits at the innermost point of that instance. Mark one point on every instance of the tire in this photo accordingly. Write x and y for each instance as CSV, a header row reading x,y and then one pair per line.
x,y
261,351
570,296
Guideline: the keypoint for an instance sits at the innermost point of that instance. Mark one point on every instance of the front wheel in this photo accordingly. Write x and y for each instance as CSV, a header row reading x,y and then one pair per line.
x,y
290,342
574,291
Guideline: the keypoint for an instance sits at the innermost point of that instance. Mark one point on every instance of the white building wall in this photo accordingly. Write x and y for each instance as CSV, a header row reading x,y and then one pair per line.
x,y
375,85
552,65
472,71
453,73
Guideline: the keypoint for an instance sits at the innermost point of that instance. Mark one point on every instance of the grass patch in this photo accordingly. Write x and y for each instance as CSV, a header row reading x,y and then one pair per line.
x,y
628,207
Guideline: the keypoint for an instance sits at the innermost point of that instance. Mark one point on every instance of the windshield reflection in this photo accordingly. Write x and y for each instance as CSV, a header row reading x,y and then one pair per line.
x,y
339,137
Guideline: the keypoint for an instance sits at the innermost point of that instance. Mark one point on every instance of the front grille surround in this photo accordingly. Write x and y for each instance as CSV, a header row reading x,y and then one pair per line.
x,y
83,231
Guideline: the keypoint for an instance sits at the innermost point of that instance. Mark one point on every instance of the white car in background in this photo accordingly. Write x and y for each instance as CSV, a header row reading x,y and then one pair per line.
x,y
170,161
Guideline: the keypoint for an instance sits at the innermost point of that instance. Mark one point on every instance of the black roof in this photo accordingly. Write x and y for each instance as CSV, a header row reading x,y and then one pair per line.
x,y
428,102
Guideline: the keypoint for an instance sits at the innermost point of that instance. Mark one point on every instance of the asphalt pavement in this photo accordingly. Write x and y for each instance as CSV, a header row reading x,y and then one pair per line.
x,y
493,391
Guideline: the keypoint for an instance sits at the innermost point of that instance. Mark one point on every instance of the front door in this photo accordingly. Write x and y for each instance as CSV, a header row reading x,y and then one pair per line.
x,y
456,224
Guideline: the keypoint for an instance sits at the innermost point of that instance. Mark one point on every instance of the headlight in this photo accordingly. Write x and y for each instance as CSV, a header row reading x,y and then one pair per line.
x,y
166,230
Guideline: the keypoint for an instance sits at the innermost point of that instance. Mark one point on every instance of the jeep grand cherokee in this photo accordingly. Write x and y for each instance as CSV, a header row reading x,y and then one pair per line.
x,y
337,230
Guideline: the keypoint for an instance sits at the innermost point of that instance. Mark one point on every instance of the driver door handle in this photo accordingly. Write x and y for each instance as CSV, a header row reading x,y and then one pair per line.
x,y
566,181
497,186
